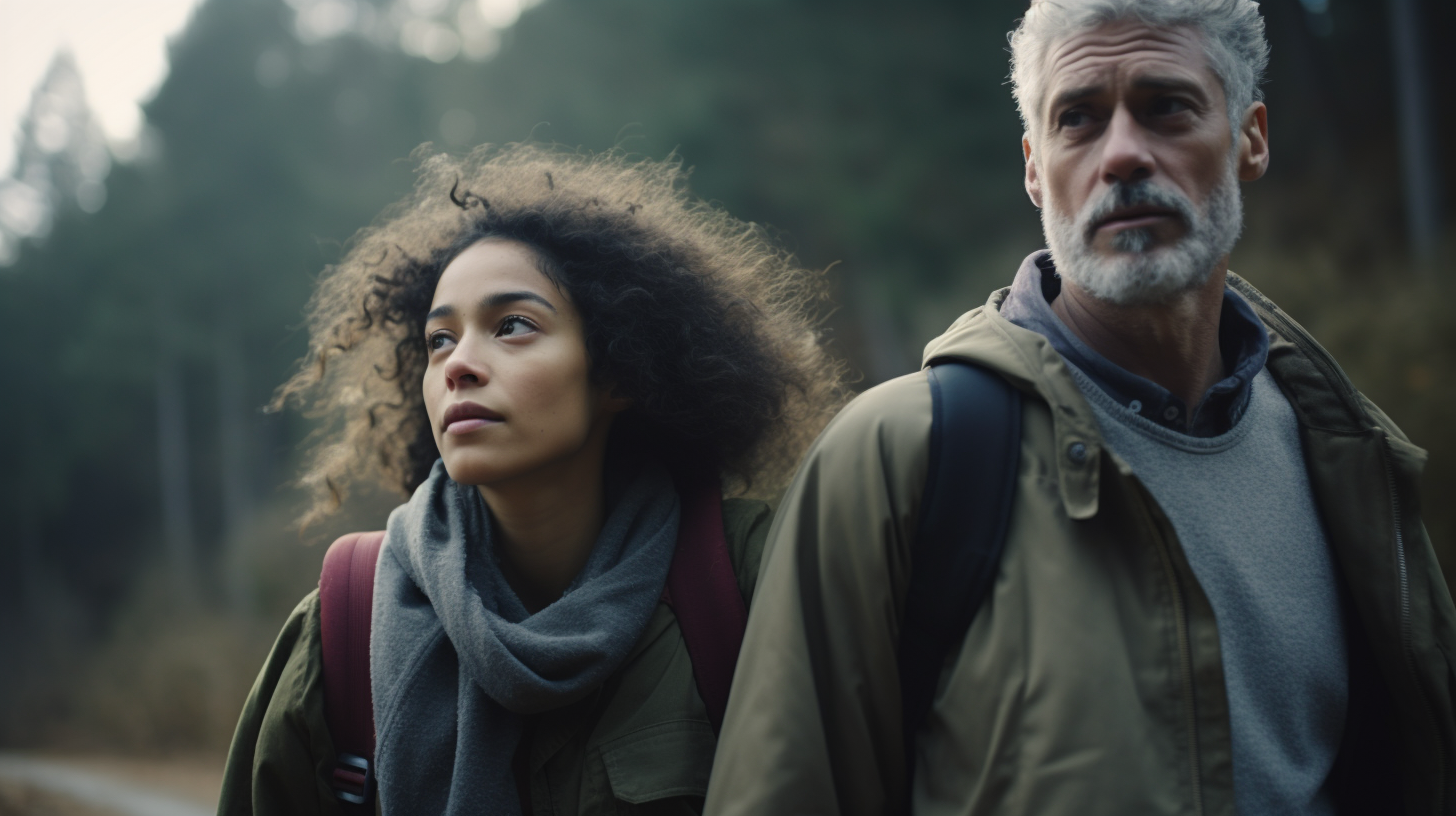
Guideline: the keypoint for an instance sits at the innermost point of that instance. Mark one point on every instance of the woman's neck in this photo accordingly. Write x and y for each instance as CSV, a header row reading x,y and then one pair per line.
x,y
546,523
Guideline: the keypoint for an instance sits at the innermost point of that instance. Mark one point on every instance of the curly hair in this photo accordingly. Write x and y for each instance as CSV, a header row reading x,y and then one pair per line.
x,y
705,324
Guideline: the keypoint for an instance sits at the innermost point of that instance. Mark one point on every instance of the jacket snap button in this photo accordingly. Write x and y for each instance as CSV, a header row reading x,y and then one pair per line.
x,y
1077,452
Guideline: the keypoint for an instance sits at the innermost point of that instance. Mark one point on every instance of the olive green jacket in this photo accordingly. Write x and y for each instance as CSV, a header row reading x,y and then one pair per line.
x,y
640,744
1090,681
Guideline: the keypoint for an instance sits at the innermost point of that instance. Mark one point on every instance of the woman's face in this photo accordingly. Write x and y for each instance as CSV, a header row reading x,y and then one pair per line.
x,y
507,388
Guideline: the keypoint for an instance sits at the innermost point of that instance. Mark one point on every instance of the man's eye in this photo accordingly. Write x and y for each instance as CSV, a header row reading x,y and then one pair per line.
x,y
1073,119
1168,106
438,340
514,326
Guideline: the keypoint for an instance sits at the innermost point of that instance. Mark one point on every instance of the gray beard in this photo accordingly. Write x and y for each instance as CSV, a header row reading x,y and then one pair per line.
x,y
1137,273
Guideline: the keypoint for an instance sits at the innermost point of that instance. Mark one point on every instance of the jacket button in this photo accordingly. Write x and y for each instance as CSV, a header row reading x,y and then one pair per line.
x,y
1077,452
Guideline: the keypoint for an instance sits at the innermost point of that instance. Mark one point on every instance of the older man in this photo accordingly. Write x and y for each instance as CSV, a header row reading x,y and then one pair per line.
x,y
1216,594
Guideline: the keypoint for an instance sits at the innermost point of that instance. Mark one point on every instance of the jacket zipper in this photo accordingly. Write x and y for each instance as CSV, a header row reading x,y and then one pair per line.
x,y
1406,638
1185,661
1321,360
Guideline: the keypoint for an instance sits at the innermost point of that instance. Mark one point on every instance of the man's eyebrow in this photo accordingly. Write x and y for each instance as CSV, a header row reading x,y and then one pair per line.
x,y
1170,84
1071,96
1074,95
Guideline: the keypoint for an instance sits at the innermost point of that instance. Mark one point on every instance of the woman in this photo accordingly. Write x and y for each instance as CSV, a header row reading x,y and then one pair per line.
x,y
540,347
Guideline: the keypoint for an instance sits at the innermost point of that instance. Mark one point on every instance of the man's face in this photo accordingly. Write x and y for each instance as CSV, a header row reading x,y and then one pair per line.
x,y
1135,165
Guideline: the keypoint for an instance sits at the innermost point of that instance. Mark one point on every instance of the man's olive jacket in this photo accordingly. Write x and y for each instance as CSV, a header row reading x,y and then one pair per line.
x,y
1090,681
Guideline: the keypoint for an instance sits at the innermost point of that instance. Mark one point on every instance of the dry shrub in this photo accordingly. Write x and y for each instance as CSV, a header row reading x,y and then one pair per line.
x,y
1389,326
165,677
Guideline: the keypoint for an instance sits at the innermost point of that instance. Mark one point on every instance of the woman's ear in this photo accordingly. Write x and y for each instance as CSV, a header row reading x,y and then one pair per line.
x,y
613,400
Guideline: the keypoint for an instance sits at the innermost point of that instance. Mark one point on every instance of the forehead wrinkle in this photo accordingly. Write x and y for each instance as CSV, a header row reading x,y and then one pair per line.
x,y
1149,75
1173,44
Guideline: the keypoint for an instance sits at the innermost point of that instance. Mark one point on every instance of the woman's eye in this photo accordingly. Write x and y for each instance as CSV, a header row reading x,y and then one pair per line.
x,y
514,326
438,340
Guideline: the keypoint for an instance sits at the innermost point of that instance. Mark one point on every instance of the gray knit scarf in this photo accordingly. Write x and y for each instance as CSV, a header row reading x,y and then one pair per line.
x,y
455,659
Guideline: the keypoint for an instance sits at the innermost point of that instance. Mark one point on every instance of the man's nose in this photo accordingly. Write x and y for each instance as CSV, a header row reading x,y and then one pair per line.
x,y
1126,155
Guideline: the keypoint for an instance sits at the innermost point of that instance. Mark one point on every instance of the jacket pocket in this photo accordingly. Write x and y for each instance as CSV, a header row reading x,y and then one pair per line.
x,y
660,761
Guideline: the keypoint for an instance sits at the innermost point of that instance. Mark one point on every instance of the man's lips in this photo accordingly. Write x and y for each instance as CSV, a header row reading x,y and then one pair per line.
x,y
1134,217
464,417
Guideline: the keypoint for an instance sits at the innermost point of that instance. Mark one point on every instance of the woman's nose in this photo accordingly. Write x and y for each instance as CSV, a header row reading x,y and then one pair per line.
x,y
464,371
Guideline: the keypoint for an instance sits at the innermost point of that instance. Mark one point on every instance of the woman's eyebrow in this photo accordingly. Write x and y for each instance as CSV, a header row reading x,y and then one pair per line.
x,y
504,298
493,301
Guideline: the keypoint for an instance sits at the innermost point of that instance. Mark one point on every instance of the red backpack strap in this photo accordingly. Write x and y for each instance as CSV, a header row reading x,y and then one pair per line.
x,y
346,600
702,589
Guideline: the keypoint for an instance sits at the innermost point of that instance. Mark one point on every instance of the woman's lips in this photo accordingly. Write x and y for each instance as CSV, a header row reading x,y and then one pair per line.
x,y
465,417
465,426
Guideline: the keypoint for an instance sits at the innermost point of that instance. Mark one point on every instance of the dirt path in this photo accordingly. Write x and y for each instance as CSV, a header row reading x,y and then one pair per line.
x,y
116,787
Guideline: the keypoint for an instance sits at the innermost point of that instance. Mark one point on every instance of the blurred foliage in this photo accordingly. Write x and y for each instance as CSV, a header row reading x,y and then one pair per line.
x,y
879,139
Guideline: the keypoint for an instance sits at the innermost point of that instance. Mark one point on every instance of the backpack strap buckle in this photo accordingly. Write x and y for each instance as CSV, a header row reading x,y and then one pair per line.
x,y
353,778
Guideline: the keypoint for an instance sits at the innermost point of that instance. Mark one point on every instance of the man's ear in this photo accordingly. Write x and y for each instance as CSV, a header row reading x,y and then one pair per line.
x,y
1254,143
1033,182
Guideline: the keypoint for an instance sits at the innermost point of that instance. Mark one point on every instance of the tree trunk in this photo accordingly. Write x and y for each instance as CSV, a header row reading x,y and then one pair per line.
x,y
885,350
28,536
1417,153
236,477
177,528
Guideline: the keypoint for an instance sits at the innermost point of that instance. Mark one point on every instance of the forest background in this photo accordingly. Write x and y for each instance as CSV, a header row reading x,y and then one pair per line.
x,y
149,306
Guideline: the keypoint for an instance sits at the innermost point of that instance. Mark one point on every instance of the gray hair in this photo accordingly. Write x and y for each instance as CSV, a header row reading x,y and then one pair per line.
x,y
1233,35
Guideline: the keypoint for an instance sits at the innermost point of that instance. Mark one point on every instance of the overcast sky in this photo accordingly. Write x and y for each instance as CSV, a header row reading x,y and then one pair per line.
x,y
120,45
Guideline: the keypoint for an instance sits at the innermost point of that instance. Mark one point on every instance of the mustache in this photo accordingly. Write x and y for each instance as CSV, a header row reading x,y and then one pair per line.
x,y
1141,193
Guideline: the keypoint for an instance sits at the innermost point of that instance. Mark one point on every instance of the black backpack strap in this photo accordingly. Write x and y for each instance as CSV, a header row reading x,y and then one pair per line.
x,y
975,446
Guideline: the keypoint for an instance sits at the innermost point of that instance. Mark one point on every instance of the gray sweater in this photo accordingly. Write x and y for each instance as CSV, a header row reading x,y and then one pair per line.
x,y
1241,505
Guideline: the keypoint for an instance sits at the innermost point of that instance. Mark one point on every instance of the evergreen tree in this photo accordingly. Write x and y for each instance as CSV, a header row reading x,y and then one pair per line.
x,y
61,159
138,340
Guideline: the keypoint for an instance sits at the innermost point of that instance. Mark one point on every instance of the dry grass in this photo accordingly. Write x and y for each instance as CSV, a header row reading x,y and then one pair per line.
x,y
165,679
